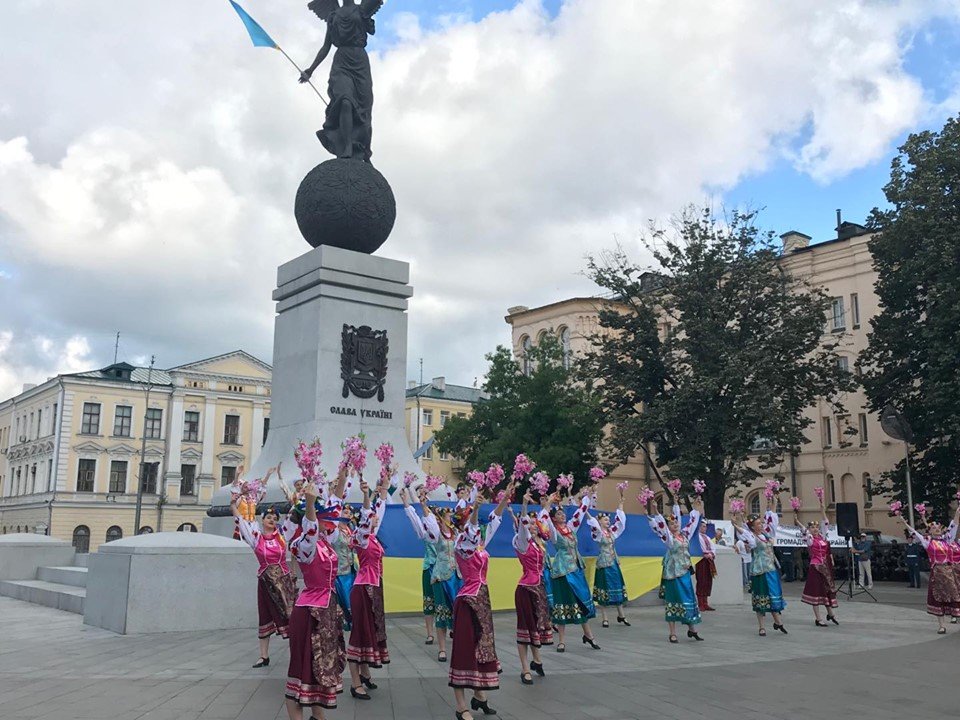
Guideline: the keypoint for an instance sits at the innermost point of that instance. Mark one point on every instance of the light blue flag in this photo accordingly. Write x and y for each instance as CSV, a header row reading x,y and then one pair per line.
x,y
257,34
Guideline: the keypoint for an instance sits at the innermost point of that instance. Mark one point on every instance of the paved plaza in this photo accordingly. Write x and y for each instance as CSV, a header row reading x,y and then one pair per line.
x,y
883,661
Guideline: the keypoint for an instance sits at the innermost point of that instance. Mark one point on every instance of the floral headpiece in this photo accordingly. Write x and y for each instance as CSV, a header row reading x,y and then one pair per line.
x,y
461,517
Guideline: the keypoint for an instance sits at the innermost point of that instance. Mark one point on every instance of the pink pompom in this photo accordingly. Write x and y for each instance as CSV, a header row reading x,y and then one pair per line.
x,y
541,483
818,491
796,504
896,507
597,474
433,482
737,506
408,479
522,467
699,487
476,478
674,486
645,496
622,486
921,509
565,481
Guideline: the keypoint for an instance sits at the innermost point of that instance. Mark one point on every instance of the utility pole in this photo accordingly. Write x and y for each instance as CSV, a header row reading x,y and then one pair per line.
x,y
421,371
143,450
116,348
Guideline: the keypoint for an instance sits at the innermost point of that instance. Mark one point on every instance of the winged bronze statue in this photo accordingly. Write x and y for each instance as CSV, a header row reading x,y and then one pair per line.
x,y
347,130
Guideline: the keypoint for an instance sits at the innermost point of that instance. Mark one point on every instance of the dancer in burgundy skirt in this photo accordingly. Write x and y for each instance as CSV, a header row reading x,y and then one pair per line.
x,y
367,647
534,627
943,590
819,590
473,657
317,654
276,587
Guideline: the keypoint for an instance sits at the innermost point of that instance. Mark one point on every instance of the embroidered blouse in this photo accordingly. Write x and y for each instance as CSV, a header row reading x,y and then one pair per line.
x,y
530,554
567,558
761,544
444,564
472,558
676,561
429,549
368,548
318,564
605,538
938,549
269,549
819,545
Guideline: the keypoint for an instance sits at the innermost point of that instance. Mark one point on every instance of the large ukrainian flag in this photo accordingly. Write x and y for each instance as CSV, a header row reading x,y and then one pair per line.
x,y
640,551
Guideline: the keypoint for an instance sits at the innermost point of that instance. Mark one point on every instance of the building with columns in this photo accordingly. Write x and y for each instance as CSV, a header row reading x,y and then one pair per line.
x,y
846,453
70,448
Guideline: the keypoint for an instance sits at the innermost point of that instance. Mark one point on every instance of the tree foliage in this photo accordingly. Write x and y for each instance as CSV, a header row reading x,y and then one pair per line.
x,y
544,414
913,358
715,348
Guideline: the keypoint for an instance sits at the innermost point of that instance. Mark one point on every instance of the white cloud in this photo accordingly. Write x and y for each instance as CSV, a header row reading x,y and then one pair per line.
x,y
149,157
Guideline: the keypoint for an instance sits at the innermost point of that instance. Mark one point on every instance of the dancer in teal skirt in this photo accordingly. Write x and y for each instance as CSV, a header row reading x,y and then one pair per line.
x,y
760,534
679,598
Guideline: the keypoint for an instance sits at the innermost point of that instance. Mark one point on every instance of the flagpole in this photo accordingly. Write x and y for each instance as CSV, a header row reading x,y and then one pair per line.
x,y
309,82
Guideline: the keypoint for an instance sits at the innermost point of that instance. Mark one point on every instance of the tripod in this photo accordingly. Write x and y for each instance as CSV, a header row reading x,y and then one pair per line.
x,y
849,586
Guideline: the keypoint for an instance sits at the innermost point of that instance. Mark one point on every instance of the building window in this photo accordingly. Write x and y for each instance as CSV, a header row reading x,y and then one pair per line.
x,y
188,474
837,321
227,475
855,310
187,527
33,478
755,504
266,431
118,476
862,425
122,421
428,417
843,363
235,388
444,457
86,470
154,422
231,430
39,423
444,416
81,539
50,480
831,490
53,419
191,426
527,345
150,471
868,489
114,532
145,530
565,347
827,433
429,452
90,424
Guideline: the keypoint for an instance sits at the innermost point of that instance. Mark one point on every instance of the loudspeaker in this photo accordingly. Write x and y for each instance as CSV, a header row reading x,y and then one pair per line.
x,y
848,520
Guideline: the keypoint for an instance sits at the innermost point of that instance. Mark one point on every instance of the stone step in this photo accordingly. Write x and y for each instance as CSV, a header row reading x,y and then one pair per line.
x,y
40,592
81,559
75,576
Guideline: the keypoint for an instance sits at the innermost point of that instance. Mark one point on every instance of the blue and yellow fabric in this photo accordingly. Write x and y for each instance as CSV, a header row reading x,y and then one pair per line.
x,y
640,552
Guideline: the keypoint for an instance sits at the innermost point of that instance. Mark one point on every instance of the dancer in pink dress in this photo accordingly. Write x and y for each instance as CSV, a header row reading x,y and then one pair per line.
x,y
276,586
317,654
534,628
367,647
943,590
819,590
473,658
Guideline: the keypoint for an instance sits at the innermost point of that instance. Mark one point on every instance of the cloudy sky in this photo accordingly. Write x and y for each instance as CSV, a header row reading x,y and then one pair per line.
x,y
149,155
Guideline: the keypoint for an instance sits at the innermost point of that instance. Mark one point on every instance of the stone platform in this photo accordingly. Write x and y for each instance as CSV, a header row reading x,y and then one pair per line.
x,y
883,662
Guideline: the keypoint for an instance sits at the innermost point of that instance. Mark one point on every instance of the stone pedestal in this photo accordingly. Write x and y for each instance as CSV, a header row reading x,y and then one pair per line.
x,y
172,581
22,554
320,296
728,584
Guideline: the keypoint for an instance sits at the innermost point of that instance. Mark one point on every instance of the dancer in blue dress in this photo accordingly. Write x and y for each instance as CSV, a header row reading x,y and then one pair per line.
x,y
760,535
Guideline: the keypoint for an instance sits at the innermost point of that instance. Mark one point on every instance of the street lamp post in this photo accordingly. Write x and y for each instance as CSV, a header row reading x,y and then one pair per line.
x,y
143,451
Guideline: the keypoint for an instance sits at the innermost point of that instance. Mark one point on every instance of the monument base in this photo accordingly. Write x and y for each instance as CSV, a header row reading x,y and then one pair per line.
x,y
170,582
339,366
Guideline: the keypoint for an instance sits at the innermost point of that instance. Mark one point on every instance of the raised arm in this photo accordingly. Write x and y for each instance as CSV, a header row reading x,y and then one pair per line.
x,y
693,522
304,548
582,511
321,56
496,516
771,523
951,534
546,519
922,540
416,522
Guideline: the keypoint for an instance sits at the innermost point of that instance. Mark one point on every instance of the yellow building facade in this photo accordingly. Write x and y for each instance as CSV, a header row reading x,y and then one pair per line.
x,y
428,408
71,448
846,452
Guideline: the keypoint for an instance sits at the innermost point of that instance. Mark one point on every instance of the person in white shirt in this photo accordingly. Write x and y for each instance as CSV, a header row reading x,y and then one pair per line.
x,y
740,547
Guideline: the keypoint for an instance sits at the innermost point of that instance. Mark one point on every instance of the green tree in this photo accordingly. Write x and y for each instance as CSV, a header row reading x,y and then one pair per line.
x,y
913,358
715,348
544,414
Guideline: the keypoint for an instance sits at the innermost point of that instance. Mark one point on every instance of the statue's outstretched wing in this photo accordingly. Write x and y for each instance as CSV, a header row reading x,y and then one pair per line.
x,y
368,8
323,8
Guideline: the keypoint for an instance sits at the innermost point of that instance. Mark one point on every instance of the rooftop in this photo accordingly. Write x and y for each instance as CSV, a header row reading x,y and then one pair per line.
x,y
446,391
